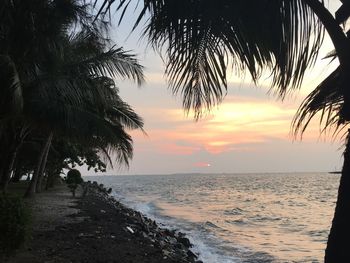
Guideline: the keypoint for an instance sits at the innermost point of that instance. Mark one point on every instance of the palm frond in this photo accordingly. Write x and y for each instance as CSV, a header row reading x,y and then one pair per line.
x,y
116,63
328,100
86,51
83,108
11,100
202,38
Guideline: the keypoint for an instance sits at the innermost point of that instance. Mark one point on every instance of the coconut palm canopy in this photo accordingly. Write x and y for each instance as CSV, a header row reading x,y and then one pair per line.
x,y
61,83
203,39
75,94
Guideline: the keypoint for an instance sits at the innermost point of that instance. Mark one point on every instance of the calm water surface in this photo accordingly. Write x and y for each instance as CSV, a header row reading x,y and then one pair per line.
x,y
238,217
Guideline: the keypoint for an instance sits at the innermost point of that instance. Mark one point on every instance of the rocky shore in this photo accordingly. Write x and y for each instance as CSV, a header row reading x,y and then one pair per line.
x,y
174,246
103,230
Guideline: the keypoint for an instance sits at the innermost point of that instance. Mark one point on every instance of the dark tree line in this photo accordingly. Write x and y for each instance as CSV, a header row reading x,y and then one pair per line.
x,y
59,103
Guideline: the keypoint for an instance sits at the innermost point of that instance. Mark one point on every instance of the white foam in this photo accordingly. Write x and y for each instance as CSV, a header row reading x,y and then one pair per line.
x,y
206,252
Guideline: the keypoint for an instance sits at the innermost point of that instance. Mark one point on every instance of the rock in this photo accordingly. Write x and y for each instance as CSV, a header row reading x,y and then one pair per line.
x,y
180,234
130,230
171,240
162,243
191,254
85,235
170,232
167,253
185,241
180,246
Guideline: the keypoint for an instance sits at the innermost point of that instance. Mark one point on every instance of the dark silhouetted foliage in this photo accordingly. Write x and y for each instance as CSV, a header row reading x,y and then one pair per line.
x,y
73,180
14,223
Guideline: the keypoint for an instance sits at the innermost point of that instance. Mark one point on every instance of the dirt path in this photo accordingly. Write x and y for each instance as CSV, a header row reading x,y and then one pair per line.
x,y
54,208
50,210
92,229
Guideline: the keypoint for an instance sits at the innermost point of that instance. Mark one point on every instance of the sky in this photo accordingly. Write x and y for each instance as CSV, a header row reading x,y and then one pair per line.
x,y
249,132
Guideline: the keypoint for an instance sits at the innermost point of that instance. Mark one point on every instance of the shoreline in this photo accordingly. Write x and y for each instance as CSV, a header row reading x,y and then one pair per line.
x,y
97,228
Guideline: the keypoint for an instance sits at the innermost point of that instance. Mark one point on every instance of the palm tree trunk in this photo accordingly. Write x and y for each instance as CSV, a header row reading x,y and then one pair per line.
x,y
51,176
339,237
48,180
7,171
17,175
334,31
32,185
43,166
5,160
38,188
14,146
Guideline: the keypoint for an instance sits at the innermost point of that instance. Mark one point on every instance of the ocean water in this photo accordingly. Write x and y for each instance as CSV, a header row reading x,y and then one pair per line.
x,y
238,217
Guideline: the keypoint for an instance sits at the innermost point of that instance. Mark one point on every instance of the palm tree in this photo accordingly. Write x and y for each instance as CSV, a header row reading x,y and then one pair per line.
x,y
38,24
76,97
202,38
62,83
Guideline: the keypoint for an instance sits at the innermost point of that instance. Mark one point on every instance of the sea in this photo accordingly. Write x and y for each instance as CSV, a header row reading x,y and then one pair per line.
x,y
234,218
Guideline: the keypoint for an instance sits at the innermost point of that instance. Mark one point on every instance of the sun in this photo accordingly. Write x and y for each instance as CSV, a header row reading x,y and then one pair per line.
x,y
202,164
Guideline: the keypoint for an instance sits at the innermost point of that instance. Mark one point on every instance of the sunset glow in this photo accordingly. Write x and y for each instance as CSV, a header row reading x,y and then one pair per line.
x,y
249,131
233,126
241,127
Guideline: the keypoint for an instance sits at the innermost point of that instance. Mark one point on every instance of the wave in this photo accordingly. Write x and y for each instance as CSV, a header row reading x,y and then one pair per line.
x,y
210,224
234,211
206,244
239,221
263,218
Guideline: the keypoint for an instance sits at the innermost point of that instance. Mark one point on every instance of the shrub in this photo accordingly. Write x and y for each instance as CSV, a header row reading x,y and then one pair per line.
x,y
14,223
73,180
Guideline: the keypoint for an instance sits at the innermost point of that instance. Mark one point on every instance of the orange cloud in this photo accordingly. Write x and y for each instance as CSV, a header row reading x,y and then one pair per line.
x,y
173,148
239,124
